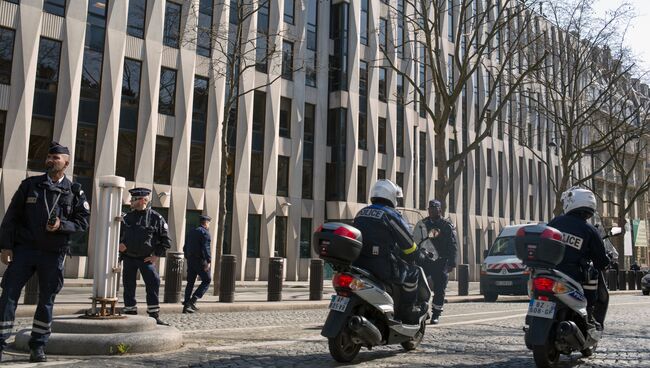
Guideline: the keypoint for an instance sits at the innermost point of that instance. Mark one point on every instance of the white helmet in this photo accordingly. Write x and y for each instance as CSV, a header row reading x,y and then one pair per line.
x,y
387,190
577,198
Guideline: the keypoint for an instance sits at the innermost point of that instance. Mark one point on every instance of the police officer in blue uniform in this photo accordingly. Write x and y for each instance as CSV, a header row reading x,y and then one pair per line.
x,y
34,237
442,235
197,252
583,244
388,250
144,238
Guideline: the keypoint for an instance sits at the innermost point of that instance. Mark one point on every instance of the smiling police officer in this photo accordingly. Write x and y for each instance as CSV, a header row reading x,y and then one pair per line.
x,y
34,237
144,239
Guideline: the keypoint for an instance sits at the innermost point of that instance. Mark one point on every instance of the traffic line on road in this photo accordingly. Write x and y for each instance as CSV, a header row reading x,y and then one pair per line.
x,y
240,346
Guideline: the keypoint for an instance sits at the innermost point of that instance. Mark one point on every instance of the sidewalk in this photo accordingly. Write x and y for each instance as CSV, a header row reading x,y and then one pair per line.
x,y
75,296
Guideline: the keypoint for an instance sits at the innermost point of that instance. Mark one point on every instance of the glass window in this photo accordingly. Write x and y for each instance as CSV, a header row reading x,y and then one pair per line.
x,y
399,179
126,141
172,29
162,172
312,23
287,60
285,117
422,178
84,155
13,1
3,124
167,99
47,77
305,237
308,152
56,7
6,54
383,33
281,236
199,123
363,33
261,49
381,135
488,163
289,11
382,85
254,232
450,20
361,184
136,21
204,36
39,142
399,128
381,174
257,146
310,68
283,176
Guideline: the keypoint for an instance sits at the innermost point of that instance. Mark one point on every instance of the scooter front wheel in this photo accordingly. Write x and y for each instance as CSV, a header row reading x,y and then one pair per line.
x,y
342,348
417,339
545,355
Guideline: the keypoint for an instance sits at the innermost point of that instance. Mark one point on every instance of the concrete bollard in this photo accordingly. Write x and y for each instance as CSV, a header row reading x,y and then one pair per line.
x,y
276,265
316,279
622,280
631,280
612,280
463,279
227,278
173,277
31,290
639,276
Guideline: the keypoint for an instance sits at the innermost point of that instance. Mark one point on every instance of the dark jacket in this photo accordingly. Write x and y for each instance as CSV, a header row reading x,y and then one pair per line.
x,y
24,223
582,243
197,244
445,243
387,242
144,233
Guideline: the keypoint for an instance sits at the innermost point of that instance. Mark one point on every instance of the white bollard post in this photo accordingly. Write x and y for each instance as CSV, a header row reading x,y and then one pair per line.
x,y
106,240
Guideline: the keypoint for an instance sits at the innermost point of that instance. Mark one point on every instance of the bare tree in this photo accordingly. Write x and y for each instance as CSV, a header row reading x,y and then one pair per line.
x,y
582,91
239,48
490,46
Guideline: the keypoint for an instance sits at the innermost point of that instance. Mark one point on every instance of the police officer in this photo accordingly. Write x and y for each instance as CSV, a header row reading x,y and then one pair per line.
x,y
144,239
437,236
34,236
197,252
388,248
583,244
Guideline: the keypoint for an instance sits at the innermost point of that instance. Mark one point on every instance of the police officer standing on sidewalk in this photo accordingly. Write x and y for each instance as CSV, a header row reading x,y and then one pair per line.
x,y
34,237
197,252
440,235
144,239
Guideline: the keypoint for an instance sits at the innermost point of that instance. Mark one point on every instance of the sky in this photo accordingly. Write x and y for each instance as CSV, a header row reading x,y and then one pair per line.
x,y
637,36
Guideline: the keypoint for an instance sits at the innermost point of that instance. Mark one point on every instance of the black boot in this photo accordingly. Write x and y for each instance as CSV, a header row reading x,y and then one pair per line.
x,y
187,308
37,355
158,320
192,304
435,316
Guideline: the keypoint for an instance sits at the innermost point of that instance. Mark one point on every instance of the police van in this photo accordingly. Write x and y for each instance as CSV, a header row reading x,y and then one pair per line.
x,y
502,273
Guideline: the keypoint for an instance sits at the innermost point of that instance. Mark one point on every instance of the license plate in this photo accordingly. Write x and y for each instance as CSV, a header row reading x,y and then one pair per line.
x,y
503,283
541,308
339,303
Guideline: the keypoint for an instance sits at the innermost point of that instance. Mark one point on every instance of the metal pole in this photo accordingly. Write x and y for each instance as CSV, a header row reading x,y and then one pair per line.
x,y
316,279
622,277
631,280
227,275
612,280
275,279
173,277
463,279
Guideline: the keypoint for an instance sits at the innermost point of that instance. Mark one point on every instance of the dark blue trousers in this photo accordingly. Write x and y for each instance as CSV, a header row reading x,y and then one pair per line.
x,y
439,278
194,269
49,269
130,268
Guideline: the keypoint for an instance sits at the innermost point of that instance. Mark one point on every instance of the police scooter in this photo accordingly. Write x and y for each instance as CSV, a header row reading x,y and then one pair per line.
x,y
362,312
557,320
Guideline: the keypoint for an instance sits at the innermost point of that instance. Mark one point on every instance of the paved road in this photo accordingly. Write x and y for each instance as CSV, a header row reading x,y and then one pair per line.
x,y
470,335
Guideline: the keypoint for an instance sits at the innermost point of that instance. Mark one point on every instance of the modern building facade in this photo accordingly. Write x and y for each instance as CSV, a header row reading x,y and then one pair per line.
x,y
120,84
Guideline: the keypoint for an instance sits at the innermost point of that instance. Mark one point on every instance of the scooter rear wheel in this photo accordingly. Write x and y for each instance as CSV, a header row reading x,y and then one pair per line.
x,y
342,348
417,339
545,355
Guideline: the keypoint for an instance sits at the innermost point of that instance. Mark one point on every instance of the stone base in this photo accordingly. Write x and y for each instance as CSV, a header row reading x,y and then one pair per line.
x,y
72,335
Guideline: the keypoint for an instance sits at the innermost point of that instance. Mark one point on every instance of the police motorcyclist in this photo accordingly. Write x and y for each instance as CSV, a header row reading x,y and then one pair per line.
x,y
584,255
388,248
437,236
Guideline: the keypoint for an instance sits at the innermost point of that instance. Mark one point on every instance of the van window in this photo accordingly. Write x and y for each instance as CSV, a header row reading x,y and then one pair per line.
x,y
503,247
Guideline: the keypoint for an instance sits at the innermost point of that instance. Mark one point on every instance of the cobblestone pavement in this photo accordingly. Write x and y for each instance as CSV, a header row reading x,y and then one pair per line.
x,y
470,335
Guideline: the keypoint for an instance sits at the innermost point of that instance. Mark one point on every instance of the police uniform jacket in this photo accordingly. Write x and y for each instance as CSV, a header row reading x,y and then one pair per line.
x,y
445,242
145,233
386,241
582,242
26,218
197,244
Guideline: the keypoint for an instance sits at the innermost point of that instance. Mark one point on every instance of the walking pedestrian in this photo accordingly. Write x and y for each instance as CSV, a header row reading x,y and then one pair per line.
x,y
441,236
197,253
144,239
35,237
